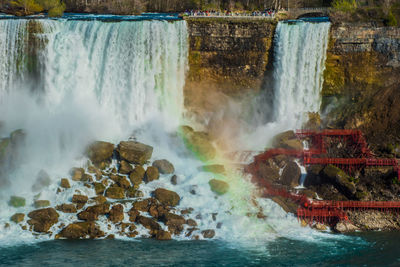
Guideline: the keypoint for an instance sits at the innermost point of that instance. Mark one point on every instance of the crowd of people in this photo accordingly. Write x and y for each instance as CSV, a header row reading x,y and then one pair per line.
x,y
226,13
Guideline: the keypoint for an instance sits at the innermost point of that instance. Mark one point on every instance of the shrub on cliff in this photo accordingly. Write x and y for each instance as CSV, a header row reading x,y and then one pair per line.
x,y
391,20
55,8
344,5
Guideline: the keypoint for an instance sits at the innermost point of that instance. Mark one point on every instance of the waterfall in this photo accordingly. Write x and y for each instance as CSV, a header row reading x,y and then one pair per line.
x,y
300,52
68,82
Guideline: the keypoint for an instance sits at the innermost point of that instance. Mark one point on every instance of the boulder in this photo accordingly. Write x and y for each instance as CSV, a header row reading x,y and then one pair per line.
x,y
131,192
268,173
43,219
339,179
93,170
191,222
214,168
142,205
218,186
42,180
208,233
198,142
115,192
133,214
149,223
17,202
92,213
116,213
100,151
345,227
65,183
77,174
163,235
287,140
166,197
174,180
41,203
137,176
174,222
164,166
135,152
66,208
99,188
17,217
100,199
81,199
123,182
81,230
125,167
291,174
151,174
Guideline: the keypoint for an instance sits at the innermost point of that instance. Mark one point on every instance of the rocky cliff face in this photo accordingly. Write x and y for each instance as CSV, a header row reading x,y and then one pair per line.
x,y
362,81
230,56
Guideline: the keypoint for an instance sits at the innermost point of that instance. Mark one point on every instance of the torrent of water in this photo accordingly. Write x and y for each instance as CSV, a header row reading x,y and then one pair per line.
x,y
90,80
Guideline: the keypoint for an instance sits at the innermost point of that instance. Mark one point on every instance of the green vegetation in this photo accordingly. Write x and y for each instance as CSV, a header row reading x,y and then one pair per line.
x,y
55,8
344,5
391,20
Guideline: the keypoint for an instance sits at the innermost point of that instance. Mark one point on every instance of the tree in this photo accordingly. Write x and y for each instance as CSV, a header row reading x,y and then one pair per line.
x,y
29,7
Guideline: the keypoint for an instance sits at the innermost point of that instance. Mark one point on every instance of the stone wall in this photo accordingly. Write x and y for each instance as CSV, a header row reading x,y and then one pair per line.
x,y
229,56
362,80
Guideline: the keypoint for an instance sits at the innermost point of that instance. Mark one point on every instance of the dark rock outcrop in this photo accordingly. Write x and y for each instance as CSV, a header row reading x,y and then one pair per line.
x,y
164,166
81,230
291,174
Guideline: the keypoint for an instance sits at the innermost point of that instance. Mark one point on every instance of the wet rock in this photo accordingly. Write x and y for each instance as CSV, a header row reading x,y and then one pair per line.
x,y
17,136
142,205
135,152
166,197
199,143
125,167
100,199
286,204
77,174
151,174
17,202
218,186
92,169
100,151
287,140
65,183
345,227
79,199
291,174
123,182
149,223
133,214
41,203
174,180
268,173
99,188
163,235
219,225
81,230
43,219
42,180
17,217
191,222
130,192
320,227
208,233
215,168
137,176
164,166
66,208
340,180
92,213
174,222
115,192
116,213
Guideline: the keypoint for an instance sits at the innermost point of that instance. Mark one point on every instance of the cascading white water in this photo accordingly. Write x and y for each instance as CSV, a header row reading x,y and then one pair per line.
x,y
97,81
102,81
300,52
